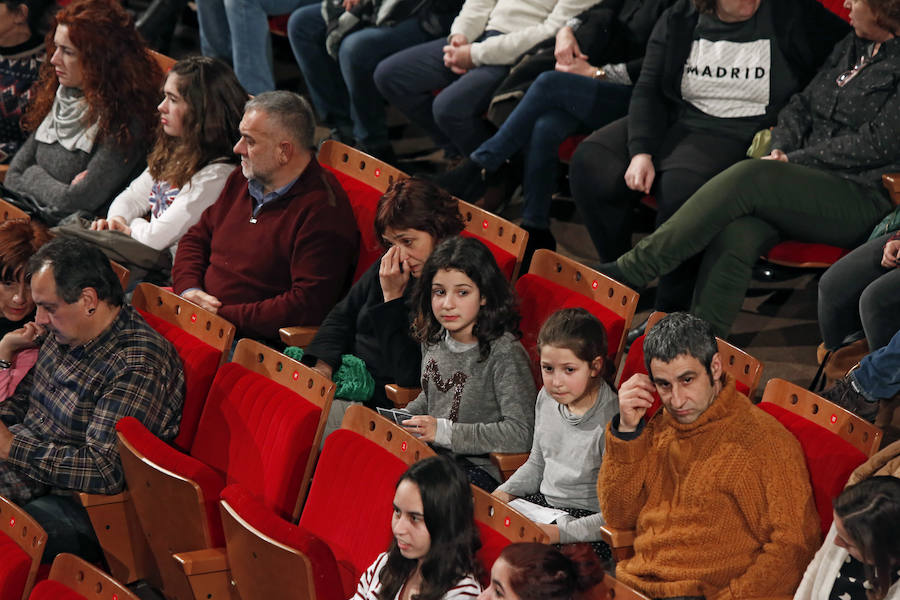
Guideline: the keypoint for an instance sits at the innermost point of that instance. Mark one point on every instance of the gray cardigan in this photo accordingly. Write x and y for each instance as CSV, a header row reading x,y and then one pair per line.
x,y
565,461
489,404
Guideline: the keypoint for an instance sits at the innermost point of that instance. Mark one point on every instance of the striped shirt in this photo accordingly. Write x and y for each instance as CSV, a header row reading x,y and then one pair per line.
x,y
370,583
63,415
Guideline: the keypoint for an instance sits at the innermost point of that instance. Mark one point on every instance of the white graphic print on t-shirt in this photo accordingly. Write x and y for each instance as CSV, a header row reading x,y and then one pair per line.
x,y
728,79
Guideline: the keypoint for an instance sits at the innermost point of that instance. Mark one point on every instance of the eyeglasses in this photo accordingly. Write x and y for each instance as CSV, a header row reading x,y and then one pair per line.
x,y
849,74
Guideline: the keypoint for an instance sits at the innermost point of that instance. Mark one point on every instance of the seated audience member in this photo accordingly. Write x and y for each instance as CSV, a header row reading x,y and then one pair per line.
x,y
338,52
99,363
861,292
716,489
688,121
573,408
92,113
876,378
530,571
485,39
373,320
22,50
238,33
278,246
598,58
432,553
820,183
19,239
860,558
199,115
477,390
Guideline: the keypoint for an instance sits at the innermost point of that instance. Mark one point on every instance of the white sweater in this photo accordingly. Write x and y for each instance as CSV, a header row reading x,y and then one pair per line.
x,y
370,584
824,569
523,24
172,211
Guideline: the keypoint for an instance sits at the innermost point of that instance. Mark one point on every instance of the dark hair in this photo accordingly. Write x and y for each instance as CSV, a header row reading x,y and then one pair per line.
x,y
418,204
120,76
544,572
449,518
37,10
498,315
887,14
19,240
215,103
579,331
681,333
78,265
707,7
870,512
293,113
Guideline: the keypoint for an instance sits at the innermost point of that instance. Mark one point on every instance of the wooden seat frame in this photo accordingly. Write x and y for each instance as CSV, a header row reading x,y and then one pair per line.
x,y
9,211
497,230
183,534
86,579
25,531
113,516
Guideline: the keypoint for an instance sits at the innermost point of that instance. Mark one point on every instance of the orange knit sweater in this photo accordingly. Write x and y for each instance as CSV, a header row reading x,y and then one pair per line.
x,y
722,507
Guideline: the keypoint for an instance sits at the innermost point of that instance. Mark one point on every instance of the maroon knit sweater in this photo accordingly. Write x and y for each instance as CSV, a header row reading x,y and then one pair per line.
x,y
288,268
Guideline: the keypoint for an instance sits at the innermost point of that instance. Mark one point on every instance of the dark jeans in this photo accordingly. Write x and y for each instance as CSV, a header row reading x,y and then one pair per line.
x,y
454,118
878,375
857,294
67,525
739,215
344,92
555,106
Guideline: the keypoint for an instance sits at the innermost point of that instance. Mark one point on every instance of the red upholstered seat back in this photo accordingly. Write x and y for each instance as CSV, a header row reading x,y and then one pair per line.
x,y
53,590
257,433
830,459
539,298
324,566
200,362
14,567
364,200
505,260
349,502
492,544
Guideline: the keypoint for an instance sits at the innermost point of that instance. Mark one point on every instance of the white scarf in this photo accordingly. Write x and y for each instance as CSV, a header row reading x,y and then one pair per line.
x,y
64,122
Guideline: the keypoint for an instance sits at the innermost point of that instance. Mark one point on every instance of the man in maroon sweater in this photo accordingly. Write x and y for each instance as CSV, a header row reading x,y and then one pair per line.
x,y
279,245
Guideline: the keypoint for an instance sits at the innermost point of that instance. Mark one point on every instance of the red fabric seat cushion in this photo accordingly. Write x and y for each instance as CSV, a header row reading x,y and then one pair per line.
x,y
364,200
200,362
830,459
567,148
324,567
53,590
14,567
161,454
801,252
505,260
350,502
492,544
539,298
258,433
278,24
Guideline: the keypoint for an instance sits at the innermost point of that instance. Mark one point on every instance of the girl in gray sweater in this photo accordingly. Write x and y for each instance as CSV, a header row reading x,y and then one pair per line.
x,y
477,389
572,411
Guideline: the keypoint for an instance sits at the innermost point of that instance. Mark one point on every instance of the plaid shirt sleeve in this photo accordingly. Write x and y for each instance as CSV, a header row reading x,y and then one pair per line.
x,y
12,410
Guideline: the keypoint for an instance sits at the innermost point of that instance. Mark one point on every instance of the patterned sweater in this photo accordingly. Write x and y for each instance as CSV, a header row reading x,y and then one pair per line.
x,y
19,67
722,507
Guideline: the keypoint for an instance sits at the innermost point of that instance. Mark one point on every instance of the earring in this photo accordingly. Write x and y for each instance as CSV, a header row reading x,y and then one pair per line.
x,y
91,311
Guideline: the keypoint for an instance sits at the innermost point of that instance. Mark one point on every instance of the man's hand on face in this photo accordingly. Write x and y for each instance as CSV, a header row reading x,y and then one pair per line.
x,y
635,397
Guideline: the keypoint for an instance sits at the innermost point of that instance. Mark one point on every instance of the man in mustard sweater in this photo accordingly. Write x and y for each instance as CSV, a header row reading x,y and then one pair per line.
x,y
716,490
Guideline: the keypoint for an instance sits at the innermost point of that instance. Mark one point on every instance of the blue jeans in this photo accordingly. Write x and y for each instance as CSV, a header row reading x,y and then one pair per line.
x,y
453,118
344,92
67,525
237,31
878,375
555,106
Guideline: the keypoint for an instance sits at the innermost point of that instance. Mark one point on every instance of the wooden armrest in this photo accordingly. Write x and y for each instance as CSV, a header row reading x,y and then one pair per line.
x,y
620,540
400,396
197,562
300,335
89,500
892,182
507,463
3,170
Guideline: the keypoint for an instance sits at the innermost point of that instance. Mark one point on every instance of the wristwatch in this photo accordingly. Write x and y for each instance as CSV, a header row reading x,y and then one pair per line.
x,y
599,73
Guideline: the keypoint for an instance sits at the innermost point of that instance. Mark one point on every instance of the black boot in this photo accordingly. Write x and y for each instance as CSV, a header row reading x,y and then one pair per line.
x,y
465,181
157,24
538,237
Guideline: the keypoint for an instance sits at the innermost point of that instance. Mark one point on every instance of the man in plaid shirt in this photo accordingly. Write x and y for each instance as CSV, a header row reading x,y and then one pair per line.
x,y
99,363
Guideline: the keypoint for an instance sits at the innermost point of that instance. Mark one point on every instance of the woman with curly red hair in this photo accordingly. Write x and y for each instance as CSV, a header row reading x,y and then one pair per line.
x,y
93,114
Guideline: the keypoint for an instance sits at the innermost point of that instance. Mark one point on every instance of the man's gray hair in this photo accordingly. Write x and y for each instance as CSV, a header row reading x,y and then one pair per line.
x,y
681,333
291,110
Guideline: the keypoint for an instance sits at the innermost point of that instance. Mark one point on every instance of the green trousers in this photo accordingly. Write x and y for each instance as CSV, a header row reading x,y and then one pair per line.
x,y
739,215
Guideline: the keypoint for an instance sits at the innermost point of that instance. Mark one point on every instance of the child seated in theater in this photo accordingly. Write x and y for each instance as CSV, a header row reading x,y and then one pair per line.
x,y
531,571
435,540
572,411
477,389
